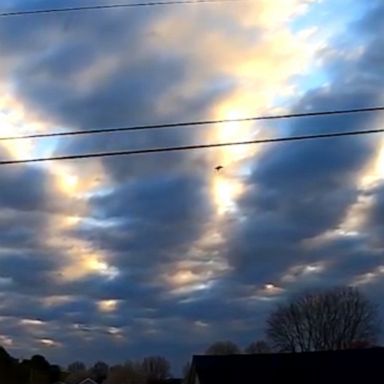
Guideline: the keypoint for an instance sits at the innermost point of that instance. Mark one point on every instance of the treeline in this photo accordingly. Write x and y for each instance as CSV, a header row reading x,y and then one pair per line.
x,y
36,370
150,370
334,319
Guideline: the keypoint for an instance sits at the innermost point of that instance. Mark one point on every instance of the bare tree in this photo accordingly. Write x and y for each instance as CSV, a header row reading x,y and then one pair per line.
x,y
156,368
117,375
77,377
260,346
76,366
223,348
330,320
129,373
99,371
186,371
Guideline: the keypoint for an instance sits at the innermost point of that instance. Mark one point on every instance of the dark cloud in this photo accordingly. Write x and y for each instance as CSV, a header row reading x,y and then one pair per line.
x,y
296,192
300,191
374,220
170,211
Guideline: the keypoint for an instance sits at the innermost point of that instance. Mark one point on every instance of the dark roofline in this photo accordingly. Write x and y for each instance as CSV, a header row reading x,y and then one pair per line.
x,y
244,368
376,349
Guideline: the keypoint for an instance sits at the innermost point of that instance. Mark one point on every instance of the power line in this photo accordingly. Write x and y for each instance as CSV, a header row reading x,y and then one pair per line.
x,y
192,123
192,147
110,6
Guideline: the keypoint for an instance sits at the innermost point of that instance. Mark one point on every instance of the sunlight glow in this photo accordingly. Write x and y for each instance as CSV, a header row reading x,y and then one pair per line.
x,y
17,148
233,109
271,289
31,322
225,192
6,341
114,330
102,268
108,305
49,343
226,186
16,120
375,170
69,182
184,277
84,261
72,221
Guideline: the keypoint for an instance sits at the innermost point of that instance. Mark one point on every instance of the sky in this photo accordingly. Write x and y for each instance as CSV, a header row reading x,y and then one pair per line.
x,y
117,258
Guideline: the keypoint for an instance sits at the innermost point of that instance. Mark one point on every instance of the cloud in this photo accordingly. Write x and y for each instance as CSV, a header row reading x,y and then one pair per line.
x,y
299,195
126,254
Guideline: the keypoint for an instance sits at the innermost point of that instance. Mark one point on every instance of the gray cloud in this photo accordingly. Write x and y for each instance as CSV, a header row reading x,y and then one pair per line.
x,y
151,212
300,191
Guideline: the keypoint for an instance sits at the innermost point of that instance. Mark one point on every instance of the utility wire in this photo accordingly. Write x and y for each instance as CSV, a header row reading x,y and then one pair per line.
x,y
110,6
192,123
192,147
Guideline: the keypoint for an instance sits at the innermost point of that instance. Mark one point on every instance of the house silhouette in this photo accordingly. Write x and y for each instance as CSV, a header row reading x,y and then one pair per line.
x,y
328,367
88,381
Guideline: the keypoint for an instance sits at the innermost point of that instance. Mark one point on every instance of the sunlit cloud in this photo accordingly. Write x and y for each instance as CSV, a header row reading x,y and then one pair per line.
x,y
225,192
270,290
298,272
102,268
69,183
369,277
31,322
237,233
201,324
51,301
192,288
108,305
375,170
84,261
186,281
6,341
49,343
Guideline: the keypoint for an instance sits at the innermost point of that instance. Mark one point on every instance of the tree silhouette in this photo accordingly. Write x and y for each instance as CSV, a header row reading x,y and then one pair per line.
x,y
55,373
117,375
76,366
9,370
99,371
129,373
223,348
76,377
330,320
156,368
260,346
186,371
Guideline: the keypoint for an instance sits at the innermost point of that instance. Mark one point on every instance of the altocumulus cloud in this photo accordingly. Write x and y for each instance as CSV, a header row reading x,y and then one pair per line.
x,y
127,254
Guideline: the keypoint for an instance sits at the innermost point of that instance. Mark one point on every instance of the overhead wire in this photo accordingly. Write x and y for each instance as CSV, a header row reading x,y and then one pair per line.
x,y
192,123
110,6
192,147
